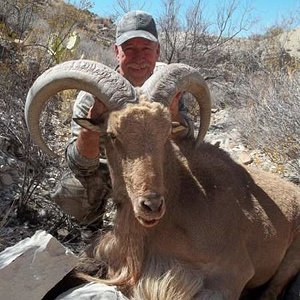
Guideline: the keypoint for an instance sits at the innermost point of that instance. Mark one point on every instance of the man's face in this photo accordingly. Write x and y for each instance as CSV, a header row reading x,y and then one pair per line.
x,y
137,58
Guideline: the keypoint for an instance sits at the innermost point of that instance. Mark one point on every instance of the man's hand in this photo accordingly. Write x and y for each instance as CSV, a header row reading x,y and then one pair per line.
x,y
180,126
88,141
175,115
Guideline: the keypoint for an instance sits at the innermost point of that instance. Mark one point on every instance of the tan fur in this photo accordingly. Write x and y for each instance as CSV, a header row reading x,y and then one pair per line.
x,y
224,229
168,280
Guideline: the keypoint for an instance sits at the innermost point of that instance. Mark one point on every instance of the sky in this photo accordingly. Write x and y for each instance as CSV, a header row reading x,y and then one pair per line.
x,y
265,12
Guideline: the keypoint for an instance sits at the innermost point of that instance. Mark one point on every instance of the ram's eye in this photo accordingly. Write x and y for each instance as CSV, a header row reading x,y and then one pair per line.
x,y
111,136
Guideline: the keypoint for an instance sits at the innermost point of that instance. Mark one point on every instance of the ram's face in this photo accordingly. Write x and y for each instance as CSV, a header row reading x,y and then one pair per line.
x,y
136,139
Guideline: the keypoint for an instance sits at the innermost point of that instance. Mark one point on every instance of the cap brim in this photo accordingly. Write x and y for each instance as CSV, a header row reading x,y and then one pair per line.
x,y
134,34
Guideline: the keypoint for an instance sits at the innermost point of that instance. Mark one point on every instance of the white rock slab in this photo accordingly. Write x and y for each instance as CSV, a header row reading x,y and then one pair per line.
x,y
92,291
29,269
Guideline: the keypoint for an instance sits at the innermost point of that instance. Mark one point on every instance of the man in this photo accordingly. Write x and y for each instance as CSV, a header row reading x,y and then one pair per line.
x,y
83,192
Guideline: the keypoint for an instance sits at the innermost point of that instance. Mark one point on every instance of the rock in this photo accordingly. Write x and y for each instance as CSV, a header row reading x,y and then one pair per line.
x,y
2,161
33,266
44,193
63,232
290,42
52,180
42,213
245,158
95,291
6,179
11,161
4,168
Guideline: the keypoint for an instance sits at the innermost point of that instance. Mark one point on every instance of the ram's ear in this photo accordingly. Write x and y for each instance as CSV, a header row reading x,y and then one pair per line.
x,y
178,128
97,125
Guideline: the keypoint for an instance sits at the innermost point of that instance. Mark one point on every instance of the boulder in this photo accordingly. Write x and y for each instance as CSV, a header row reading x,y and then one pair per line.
x,y
29,269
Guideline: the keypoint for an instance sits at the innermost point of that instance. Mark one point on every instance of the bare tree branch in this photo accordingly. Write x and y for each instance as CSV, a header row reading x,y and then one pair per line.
x,y
184,40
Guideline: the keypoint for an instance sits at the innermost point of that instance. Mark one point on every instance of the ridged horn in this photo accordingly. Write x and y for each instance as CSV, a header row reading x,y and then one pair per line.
x,y
164,84
113,90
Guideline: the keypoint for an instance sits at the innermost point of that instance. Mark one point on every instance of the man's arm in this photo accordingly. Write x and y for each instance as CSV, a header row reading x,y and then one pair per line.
x,y
82,152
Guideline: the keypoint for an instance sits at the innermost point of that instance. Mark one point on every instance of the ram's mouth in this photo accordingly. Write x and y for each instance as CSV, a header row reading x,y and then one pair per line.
x,y
148,222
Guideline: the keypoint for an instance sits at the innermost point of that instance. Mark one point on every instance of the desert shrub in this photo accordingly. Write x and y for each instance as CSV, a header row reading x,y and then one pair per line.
x,y
94,50
16,78
259,83
268,117
20,66
18,17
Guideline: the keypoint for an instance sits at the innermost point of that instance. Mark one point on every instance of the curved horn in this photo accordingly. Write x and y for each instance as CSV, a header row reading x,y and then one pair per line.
x,y
93,77
164,84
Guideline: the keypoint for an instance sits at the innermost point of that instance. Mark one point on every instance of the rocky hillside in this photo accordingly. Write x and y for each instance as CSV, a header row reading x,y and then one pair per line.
x,y
256,106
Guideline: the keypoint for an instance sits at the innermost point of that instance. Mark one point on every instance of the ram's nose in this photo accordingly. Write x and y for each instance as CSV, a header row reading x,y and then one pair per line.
x,y
150,209
151,203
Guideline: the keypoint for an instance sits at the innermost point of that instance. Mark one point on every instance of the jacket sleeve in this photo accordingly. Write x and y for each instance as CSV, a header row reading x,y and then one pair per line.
x,y
79,164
